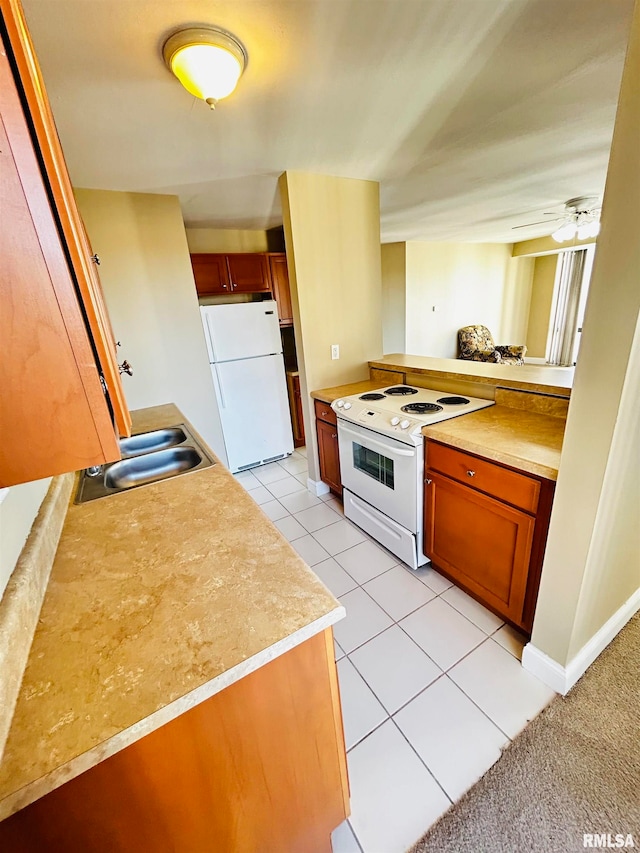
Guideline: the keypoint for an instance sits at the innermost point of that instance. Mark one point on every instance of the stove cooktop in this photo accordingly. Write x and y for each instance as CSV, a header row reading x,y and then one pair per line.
x,y
401,411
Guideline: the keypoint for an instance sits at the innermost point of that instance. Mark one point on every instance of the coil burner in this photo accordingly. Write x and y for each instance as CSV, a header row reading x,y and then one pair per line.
x,y
421,408
400,391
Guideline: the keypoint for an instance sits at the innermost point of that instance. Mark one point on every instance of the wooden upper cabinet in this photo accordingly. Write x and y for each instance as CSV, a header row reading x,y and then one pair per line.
x,y
281,289
210,273
61,390
217,274
249,273
67,218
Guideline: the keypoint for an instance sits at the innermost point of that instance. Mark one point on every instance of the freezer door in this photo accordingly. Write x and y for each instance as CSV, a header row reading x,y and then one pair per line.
x,y
243,330
254,410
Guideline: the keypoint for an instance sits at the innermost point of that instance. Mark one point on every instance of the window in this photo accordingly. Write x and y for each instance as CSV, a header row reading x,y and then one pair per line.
x,y
570,296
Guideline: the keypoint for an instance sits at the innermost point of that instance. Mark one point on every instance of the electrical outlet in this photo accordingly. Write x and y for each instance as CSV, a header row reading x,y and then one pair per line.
x,y
335,351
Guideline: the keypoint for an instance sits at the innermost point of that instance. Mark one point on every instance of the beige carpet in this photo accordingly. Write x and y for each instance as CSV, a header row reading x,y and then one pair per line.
x,y
574,770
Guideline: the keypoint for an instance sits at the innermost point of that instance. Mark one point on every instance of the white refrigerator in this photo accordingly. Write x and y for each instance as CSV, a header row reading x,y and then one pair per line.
x,y
245,354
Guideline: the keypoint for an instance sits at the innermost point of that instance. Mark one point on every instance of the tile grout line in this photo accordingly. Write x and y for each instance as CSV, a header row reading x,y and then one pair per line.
x,y
444,672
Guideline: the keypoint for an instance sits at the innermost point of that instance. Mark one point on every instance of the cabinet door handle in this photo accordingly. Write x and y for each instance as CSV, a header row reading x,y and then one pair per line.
x,y
471,473
96,260
334,435
428,482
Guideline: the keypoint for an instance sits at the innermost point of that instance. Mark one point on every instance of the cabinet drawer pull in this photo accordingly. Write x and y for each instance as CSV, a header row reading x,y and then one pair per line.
x,y
471,473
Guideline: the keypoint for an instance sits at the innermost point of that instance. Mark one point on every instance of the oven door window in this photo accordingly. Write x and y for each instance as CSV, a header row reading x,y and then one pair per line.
x,y
379,467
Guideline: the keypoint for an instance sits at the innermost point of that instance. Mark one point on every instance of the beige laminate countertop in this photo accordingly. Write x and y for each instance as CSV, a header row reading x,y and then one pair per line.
x,y
158,598
525,440
328,395
525,377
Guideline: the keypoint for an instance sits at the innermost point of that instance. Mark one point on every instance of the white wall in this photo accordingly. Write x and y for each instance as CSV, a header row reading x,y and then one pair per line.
x,y
591,566
150,293
226,240
332,232
394,297
19,506
467,284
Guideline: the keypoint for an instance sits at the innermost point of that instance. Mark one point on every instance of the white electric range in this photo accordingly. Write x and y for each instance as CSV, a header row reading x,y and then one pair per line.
x,y
382,458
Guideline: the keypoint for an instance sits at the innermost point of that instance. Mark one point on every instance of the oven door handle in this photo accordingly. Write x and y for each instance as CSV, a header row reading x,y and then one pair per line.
x,y
390,451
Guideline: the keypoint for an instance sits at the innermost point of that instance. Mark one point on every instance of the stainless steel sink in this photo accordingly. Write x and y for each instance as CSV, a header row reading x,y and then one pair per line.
x,y
139,470
147,442
147,458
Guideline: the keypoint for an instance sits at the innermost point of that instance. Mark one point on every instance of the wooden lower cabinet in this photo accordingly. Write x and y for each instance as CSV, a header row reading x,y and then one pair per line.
x,y
328,453
295,407
259,767
479,536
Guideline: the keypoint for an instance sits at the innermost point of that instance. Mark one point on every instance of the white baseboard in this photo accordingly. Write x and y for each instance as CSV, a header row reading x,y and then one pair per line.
x,y
561,678
317,487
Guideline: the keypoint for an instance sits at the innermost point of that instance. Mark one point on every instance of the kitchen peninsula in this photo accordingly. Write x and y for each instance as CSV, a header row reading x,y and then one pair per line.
x,y
183,655
488,481
541,379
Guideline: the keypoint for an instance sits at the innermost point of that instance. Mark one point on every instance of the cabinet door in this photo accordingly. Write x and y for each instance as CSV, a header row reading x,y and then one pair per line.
x,y
329,456
479,541
58,186
248,273
295,405
53,413
299,439
281,290
210,273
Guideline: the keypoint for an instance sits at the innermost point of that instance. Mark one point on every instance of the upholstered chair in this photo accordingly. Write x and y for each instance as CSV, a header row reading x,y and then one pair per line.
x,y
476,344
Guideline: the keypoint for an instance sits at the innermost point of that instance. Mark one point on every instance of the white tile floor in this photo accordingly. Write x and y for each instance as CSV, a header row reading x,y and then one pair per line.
x,y
431,685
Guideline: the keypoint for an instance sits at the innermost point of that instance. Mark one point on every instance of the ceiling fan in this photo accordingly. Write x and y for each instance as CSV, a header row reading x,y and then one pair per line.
x,y
581,219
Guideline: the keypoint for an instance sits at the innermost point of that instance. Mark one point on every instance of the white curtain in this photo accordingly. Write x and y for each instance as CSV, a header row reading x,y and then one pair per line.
x,y
565,319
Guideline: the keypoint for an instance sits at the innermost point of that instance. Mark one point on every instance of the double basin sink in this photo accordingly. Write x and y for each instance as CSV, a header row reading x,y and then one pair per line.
x,y
146,458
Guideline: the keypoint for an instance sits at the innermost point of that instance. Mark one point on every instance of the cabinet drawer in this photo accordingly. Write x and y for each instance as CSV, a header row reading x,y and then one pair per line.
x,y
324,412
502,483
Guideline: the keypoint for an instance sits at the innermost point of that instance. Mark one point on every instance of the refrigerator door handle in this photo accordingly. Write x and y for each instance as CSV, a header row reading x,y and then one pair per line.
x,y
212,339
218,382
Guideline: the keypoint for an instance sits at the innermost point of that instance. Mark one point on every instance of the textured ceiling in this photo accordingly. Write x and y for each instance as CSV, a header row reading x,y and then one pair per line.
x,y
474,115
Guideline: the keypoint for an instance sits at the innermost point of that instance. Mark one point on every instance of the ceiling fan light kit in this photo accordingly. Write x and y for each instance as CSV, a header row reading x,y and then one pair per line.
x,y
207,61
581,220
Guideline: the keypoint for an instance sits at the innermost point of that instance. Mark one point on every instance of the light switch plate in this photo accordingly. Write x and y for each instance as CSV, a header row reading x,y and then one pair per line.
x,y
335,351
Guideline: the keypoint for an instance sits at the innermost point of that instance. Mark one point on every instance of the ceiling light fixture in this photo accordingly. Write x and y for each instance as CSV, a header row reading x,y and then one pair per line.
x,y
581,220
207,61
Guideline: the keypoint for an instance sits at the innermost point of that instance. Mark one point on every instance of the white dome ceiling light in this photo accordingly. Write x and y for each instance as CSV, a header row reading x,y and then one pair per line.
x,y
207,61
